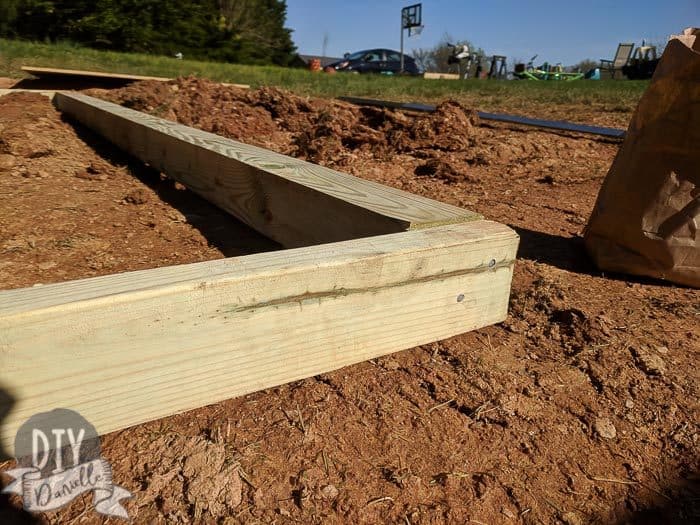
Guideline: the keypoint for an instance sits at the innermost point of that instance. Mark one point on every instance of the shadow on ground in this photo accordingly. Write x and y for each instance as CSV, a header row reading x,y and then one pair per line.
x,y
11,512
682,508
223,231
565,253
569,253
58,84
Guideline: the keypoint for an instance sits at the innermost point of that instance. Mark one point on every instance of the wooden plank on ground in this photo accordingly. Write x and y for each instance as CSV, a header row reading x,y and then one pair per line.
x,y
440,76
289,200
48,72
128,348
45,92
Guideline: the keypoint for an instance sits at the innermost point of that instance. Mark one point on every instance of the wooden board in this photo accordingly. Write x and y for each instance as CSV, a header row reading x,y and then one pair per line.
x,y
128,348
296,203
46,92
43,72
441,76
48,71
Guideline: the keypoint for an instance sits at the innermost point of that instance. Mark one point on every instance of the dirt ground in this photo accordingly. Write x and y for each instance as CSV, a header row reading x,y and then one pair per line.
x,y
582,407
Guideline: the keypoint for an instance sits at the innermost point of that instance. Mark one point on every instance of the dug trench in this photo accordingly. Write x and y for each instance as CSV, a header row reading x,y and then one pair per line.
x,y
580,408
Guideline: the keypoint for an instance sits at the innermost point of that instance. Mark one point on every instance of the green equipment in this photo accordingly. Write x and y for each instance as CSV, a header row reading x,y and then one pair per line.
x,y
543,72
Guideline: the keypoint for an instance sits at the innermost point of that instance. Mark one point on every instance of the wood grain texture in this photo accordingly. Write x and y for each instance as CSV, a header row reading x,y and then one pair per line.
x,y
132,347
294,202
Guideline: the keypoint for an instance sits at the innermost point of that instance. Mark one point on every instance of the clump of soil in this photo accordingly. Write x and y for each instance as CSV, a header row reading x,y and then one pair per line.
x,y
317,130
291,111
450,128
225,111
443,170
542,313
201,486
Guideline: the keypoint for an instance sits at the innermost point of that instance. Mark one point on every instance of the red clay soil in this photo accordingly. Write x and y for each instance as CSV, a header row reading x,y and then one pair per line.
x,y
74,207
6,83
582,407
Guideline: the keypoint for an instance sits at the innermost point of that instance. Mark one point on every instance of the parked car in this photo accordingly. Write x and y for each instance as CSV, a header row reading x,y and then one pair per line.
x,y
383,61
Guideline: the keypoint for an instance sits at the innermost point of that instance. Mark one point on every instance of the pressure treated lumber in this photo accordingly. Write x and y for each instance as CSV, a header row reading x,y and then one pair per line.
x,y
440,76
128,348
294,202
48,72
46,92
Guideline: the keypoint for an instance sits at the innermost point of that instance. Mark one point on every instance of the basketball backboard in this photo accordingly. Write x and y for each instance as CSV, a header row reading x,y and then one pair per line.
x,y
412,16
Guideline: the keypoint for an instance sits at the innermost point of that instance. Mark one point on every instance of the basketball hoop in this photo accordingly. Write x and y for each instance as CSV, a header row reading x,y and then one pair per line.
x,y
411,19
415,31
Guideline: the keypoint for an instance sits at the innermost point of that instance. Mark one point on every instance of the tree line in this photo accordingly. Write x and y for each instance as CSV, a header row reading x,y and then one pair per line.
x,y
242,31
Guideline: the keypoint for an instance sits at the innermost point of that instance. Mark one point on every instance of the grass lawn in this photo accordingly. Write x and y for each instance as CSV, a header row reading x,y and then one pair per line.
x,y
615,96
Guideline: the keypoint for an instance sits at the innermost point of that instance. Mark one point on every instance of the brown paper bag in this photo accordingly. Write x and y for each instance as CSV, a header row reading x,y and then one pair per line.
x,y
647,215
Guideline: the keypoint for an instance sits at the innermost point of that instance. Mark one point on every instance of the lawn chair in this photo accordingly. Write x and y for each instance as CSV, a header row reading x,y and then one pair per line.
x,y
622,56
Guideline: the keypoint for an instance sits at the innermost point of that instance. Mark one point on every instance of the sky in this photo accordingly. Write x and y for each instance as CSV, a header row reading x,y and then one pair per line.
x,y
563,31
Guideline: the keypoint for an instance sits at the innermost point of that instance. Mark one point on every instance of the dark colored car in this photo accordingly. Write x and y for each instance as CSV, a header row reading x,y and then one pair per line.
x,y
383,61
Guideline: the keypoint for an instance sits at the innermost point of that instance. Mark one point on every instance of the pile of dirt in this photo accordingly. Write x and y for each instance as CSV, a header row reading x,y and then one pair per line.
x,y
344,136
225,111
321,131
450,128
383,131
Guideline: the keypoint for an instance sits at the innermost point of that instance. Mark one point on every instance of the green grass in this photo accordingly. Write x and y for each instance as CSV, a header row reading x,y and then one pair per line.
x,y
620,96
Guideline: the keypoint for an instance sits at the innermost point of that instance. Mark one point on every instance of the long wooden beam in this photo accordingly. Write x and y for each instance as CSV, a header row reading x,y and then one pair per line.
x,y
294,202
46,92
128,348
49,72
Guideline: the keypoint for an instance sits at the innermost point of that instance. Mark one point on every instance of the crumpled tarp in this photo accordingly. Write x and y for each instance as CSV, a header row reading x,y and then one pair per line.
x,y
647,215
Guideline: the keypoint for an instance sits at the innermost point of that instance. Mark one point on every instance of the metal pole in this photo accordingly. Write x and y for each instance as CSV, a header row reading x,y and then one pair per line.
x,y
401,67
